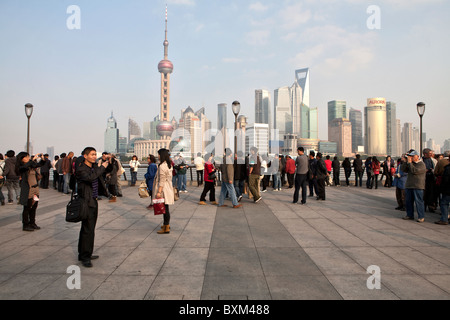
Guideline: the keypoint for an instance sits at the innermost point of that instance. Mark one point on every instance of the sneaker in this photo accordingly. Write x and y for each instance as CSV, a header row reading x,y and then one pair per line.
x,y
420,220
264,191
240,198
10,202
442,222
407,218
214,203
238,206
202,203
258,200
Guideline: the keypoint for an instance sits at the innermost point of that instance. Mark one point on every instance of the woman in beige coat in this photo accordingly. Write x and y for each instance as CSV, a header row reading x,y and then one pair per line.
x,y
162,186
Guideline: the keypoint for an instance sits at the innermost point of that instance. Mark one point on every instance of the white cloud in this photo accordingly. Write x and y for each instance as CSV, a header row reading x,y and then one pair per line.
x,y
258,37
231,60
258,7
182,2
332,49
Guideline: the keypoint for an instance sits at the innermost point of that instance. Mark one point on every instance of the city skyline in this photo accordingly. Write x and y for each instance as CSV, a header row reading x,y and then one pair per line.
x,y
109,64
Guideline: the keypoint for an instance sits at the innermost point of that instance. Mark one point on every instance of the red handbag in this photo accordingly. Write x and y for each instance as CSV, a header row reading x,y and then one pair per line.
x,y
159,207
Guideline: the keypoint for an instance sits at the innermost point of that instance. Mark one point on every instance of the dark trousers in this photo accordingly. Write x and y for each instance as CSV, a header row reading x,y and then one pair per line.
x,y
388,182
199,177
400,195
369,180
348,173
336,179
321,188
167,216
290,177
375,180
358,176
283,178
45,180
87,234
300,182
313,187
55,179
209,187
60,183
29,212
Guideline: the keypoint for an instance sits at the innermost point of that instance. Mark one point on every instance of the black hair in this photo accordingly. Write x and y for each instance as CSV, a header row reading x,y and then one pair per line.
x,y
19,159
10,153
152,158
86,151
165,157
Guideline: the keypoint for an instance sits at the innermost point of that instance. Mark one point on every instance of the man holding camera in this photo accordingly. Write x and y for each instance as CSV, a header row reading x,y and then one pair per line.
x,y
415,185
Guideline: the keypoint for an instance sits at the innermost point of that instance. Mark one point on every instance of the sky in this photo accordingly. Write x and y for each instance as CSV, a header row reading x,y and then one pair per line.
x,y
222,51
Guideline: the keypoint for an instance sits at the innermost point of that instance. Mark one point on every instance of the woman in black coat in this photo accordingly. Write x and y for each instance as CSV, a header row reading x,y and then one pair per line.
x,y
26,168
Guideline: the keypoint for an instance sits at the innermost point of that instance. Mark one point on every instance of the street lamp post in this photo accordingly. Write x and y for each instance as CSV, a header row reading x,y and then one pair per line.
x,y
421,112
236,107
28,113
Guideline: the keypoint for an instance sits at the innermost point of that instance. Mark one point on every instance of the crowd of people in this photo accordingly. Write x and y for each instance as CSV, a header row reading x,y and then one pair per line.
x,y
422,182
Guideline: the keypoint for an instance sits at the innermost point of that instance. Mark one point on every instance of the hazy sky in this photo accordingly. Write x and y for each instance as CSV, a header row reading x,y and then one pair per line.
x,y
222,50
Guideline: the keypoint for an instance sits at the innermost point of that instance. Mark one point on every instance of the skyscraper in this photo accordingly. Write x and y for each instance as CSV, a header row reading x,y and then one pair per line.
x,y
263,111
341,131
336,109
375,132
302,78
357,129
111,136
222,123
282,111
391,127
407,137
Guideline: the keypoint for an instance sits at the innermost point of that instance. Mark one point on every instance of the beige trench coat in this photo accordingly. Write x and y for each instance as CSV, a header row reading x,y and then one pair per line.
x,y
164,179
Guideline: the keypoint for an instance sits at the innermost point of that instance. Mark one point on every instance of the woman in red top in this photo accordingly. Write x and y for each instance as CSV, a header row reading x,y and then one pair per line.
x,y
376,171
209,183
290,170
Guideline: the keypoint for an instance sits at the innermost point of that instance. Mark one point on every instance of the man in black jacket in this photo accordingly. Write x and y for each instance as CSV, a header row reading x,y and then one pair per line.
x,y
90,186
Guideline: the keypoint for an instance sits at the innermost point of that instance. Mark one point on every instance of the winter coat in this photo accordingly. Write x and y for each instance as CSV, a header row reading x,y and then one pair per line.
x,y
163,179
150,175
24,170
85,177
400,182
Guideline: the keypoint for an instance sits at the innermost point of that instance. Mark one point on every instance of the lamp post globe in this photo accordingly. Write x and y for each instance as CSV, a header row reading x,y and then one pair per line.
x,y
28,112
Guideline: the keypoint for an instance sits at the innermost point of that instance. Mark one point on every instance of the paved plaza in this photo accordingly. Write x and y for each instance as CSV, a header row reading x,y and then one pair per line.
x,y
273,250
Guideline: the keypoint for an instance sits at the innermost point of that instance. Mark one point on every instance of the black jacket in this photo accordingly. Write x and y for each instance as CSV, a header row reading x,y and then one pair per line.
x,y
322,171
86,176
24,186
358,165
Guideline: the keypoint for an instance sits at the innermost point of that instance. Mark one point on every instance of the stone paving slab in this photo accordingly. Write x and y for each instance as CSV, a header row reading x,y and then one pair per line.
x,y
273,250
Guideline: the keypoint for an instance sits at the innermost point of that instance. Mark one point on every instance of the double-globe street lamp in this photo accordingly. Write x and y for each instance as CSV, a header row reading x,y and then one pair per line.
x,y
236,107
421,112
28,112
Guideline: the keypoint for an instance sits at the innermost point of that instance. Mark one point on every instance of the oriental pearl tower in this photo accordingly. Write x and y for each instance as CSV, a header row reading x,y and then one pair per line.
x,y
165,67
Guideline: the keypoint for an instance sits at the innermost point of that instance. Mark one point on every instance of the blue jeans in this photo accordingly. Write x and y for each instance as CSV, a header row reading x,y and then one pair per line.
x,y
414,196
227,187
182,180
444,207
276,181
133,178
66,183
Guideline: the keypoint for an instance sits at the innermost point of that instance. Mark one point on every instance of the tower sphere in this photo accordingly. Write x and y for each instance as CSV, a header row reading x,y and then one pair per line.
x,y
165,66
